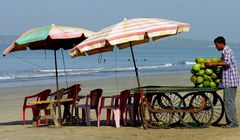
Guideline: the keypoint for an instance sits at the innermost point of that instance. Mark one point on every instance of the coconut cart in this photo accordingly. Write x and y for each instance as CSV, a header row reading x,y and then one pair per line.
x,y
131,32
165,106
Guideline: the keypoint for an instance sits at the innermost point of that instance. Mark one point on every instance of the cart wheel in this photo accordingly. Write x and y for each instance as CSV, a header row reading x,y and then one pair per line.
x,y
176,100
185,106
202,110
187,98
159,114
218,107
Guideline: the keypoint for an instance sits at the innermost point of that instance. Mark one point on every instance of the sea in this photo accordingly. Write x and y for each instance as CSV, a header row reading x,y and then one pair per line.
x,y
167,55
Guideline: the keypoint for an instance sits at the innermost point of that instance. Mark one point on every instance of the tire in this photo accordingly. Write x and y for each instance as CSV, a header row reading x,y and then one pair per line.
x,y
204,114
176,100
218,107
159,114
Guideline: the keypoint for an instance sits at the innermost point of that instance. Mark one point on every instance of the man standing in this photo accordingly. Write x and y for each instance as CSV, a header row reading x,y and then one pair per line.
x,y
229,80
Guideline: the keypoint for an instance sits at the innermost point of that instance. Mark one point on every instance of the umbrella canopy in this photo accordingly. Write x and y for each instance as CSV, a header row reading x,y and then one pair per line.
x,y
127,34
51,37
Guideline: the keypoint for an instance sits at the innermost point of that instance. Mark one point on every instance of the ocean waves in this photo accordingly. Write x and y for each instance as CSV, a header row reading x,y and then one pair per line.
x,y
43,73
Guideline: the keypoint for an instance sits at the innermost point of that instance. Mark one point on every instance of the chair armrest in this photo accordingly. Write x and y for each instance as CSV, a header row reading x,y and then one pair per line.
x,y
113,98
79,97
82,97
29,97
32,96
42,95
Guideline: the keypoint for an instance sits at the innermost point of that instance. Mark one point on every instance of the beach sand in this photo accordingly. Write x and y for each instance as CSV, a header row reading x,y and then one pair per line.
x,y
11,115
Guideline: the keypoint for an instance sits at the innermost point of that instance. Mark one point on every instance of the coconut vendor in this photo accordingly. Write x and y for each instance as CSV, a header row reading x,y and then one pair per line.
x,y
229,80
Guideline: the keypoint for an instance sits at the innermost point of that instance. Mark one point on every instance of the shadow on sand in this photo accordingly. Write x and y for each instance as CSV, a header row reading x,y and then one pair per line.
x,y
19,122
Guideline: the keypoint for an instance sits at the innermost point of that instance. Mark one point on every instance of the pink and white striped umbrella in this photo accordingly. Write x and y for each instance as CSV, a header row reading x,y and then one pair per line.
x,y
128,33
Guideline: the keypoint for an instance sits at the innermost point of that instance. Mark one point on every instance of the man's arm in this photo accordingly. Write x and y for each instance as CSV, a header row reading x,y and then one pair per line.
x,y
212,64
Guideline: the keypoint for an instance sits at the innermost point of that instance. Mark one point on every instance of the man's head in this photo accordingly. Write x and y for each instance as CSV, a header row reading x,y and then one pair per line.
x,y
220,43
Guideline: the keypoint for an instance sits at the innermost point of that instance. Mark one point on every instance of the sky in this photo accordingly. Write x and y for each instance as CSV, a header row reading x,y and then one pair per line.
x,y
208,18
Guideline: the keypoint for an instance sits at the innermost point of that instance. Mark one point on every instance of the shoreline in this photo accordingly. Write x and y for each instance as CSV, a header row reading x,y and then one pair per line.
x,y
51,82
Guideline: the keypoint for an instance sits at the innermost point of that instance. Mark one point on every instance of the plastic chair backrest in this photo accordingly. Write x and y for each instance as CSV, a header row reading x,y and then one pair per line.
x,y
94,98
72,91
43,95
123,99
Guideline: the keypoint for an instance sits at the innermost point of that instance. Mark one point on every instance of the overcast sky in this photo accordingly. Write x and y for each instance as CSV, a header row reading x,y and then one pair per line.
x,y
208,18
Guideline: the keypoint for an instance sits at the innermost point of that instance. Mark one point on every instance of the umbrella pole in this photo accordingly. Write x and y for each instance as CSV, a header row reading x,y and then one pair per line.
x,y
136,69
58,94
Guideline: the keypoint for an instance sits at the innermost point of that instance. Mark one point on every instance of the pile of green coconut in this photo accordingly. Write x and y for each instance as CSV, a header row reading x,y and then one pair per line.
x,y
203,76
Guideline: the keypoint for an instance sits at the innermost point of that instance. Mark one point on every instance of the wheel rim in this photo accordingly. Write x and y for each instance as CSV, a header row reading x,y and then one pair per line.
x,y
218,107
154,115
203,117
186,117
178,103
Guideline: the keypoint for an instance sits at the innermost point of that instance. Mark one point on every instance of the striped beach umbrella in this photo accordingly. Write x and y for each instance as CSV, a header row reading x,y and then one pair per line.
x,y
51,37
127,34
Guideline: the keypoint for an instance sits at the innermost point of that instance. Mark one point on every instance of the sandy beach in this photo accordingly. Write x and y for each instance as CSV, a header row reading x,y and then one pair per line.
x,y
11,127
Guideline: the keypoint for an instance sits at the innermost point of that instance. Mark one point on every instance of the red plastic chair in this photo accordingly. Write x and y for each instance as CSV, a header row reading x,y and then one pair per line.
x,y
70,93
94,97
118,106
133,107
41,96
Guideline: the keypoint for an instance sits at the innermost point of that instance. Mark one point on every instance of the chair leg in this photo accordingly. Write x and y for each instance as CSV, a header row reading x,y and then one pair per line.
x,y
83,116
108,116
23,115
71,114
98,118
113,116
36,115
131,116
136,115
124,118
96,110
46,113
77,115
87,111
117,117
39,120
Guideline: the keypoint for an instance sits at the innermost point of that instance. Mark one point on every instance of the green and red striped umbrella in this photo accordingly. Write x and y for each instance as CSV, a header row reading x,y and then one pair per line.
x,y
51,37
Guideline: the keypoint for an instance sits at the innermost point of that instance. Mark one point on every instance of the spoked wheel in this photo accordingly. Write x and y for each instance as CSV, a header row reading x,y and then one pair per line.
x,y
160,113
218,107
176,100
202,110
185,106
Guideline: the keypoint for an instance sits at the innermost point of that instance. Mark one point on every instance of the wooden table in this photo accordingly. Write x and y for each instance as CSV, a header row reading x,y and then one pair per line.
x,y
48,105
